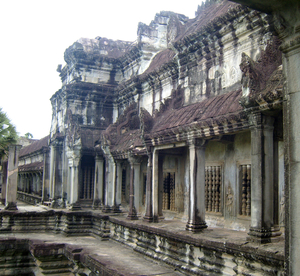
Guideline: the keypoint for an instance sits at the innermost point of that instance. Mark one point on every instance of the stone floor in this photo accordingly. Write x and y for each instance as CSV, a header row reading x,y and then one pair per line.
x,y
113,255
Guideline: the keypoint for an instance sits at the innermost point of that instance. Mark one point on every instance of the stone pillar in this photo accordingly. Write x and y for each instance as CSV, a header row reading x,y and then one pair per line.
x,y
56,178
148,215
12,178
4,181
73,181
118,187
291,67
196,220
157,186
263,229
98,187
134,186
46,175
107,206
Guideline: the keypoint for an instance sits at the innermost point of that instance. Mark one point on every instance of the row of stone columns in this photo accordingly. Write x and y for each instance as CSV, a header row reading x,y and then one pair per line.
x,y
196,221
30,182
263,223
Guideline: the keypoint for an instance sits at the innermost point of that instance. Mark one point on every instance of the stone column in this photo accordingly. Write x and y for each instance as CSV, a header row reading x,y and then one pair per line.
x,y
74,175
196,220
118,187
262,229
46,175
157,186
98,187
4,181
134,186
52,171
148,215
56,180
107,206
291,67
12,178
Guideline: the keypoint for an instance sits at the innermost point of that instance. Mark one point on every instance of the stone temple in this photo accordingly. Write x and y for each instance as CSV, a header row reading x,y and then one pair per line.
x,y
182,146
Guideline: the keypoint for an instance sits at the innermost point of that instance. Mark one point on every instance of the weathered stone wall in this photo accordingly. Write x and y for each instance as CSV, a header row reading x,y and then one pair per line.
x,y
195,256
188,252
211,70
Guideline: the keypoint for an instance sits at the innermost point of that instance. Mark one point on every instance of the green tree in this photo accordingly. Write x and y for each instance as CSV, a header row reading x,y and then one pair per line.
x,y
8,134
28,135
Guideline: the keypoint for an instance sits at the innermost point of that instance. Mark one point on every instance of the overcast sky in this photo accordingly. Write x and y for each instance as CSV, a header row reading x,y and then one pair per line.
x,y
35,34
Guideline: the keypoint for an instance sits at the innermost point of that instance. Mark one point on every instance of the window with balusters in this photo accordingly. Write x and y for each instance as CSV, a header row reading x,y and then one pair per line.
x,y
169,192
245,189
213,188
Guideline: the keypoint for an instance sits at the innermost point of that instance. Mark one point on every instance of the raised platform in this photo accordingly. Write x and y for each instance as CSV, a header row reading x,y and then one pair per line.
x,y
214,251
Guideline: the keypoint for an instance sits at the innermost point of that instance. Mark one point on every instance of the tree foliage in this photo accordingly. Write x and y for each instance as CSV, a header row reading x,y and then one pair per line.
x,y
28,135
8,134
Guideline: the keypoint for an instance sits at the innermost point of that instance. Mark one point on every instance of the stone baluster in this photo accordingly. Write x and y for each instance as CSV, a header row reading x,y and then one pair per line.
x,y
244,189
248,206
217,191
209,188
206,188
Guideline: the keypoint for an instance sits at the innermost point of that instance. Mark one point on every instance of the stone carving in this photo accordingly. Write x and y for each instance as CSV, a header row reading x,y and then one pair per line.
x,y
282,210
233,75
73,130
229,200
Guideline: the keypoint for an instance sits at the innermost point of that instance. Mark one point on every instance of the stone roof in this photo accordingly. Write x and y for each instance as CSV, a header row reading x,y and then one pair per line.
x,y
36,166
214,116
210,108
35,146
130,141
211,117
206,13
159,60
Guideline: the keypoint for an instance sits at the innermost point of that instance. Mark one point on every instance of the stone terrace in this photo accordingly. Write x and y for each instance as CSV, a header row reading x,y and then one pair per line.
x,y
173,251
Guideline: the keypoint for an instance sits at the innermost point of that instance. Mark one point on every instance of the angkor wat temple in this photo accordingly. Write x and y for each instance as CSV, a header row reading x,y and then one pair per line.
x,y
194,124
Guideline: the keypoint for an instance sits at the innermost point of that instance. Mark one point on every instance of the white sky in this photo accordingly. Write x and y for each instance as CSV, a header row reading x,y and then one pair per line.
x,y
34,35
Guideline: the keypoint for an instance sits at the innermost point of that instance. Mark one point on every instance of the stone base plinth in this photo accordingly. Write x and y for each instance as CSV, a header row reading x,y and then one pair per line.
x,y
97,204
196,227
263,235
148,218
76,207
116,209
11,206
106,209
132,214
